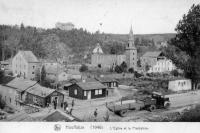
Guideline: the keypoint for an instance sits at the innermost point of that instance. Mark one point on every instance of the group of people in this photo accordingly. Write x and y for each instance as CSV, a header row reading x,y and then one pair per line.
x,y
66,107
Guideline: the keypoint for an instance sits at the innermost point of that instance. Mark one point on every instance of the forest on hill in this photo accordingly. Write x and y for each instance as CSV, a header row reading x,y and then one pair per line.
x,y
75,45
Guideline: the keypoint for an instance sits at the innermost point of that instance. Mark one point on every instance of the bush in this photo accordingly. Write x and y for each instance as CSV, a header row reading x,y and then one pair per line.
x,y
2,103
131,70
118,69
137,75
83,68
174,73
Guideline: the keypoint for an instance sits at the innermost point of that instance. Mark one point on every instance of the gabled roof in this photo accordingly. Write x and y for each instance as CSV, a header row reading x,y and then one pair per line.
x,y
58,116
40,91
106,79
29,56
91,85
97,49
152,54
21,84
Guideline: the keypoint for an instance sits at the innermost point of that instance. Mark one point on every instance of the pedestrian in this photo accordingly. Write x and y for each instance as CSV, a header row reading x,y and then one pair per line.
x,y
72,103
95,114
70,112
67,110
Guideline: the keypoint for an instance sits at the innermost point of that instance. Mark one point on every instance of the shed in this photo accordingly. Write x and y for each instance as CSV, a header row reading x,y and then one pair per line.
x,y
180,84
40,96
87,90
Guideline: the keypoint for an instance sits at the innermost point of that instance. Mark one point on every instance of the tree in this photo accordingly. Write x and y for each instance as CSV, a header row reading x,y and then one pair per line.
x,y
184,49
131,70
139,63
175,72
1,76
2,103
123,66
83,68
118,69
147,67
43,75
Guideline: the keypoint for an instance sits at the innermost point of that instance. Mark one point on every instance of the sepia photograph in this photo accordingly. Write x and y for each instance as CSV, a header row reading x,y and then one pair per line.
x,y
99,61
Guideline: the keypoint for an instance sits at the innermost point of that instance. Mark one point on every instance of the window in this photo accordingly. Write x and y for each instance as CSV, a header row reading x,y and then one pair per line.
x,y
10,100
33,73
33,67
84,93
35,100
100,92
75,92
96,92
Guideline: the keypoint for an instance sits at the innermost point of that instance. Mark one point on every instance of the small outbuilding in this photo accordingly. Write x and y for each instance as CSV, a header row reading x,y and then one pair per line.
x,y
109,82
87,90
41,96
180,84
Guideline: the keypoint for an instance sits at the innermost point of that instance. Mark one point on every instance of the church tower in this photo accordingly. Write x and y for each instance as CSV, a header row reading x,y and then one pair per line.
x,y
131,52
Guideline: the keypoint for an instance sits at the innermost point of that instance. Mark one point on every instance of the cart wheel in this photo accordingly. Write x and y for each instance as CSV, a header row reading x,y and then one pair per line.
x,y
152,108
167,105
123,112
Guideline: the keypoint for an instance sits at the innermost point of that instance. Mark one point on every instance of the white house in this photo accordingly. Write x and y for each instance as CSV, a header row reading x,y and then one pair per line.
x,y
163,65
180,85
25,64
157,62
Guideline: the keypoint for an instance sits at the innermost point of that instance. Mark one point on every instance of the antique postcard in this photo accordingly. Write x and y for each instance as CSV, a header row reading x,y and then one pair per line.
x,y
94,61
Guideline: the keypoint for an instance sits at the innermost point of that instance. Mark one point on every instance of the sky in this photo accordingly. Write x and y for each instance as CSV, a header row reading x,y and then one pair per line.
x,y
116,16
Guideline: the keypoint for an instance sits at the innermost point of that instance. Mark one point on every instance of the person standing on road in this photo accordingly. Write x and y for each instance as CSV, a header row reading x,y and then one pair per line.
x,y
72,103
95,115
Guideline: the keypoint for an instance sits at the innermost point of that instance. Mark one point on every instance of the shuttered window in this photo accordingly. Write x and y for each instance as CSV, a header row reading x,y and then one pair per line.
x,y
84,93
100,92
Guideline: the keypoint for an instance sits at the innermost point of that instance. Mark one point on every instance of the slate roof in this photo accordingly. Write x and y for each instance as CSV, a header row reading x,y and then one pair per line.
x,y
58,116
21,84
106,79
29,56
91,85
40,91
152,54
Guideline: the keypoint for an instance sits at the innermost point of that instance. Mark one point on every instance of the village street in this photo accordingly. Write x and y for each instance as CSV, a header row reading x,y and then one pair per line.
x,y
177,101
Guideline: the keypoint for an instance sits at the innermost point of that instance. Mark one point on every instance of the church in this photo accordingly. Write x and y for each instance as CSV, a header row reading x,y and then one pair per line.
x,y
101,60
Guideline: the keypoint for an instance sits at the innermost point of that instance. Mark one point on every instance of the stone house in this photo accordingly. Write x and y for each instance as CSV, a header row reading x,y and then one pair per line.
x,y
25,64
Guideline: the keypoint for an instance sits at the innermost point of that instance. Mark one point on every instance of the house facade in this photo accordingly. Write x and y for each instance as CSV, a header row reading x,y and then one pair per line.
x,y
180,85
157,62
25,64
87,90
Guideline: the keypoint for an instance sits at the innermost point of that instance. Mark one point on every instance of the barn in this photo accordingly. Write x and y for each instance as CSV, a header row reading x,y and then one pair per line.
x,y
87,90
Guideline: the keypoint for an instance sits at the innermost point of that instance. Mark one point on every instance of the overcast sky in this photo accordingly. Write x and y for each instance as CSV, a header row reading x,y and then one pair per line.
x,y
116,16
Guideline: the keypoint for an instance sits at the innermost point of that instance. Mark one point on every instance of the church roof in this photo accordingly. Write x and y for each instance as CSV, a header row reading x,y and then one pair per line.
x,y
97,49
152,54
29,56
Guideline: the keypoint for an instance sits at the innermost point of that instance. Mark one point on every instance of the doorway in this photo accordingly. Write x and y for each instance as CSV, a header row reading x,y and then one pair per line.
x,y
88,94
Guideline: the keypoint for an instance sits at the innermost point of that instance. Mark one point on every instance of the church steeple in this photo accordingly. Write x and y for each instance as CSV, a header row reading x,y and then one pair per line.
x,y
131,39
